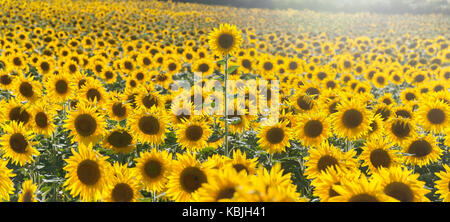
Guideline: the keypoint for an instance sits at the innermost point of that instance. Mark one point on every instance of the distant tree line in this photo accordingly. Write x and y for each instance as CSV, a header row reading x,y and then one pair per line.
x,y
376,6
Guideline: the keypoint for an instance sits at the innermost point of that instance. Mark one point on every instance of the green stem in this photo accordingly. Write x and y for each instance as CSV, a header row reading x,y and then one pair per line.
x,y
225,79
348,145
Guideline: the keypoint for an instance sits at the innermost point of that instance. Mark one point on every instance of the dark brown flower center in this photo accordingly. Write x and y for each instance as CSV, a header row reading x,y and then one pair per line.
x,y
275,135
203,67
18,143
88,172
27,196
268,66
119,109
19,114
85,125
400,129
403,113
225,41
41,120
119,139
313,128
399,191
305,103
61,86
352,118
122,192
194,133
93,94
363,198
380,158
384,112
149,101
26,89
410,96
226,193
436,116
5,80
326,161
149,125
420,148
192,178
153,168
238,167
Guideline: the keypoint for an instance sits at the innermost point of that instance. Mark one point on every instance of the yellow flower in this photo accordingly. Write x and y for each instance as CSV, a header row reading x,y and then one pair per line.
x,y
225,40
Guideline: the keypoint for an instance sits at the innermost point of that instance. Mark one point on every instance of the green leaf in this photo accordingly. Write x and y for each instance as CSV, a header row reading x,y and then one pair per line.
x,y
221,62
232,69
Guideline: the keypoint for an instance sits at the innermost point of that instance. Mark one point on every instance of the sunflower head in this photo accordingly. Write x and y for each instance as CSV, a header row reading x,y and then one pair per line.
x,y
225,40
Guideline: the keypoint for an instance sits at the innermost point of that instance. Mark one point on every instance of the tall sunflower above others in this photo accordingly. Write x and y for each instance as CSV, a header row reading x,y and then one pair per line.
x,y
225,40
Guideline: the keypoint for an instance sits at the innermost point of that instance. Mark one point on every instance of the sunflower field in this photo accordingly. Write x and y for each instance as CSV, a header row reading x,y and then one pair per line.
x,y
357,105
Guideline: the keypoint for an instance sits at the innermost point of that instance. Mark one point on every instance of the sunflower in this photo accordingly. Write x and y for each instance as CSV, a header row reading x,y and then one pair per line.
x,y
71,68
323,184
225,40
17,62
312,129
122,187
152,169
380,80
17,145
247,63
148,125
267,66
240,162
303,103
26,88
376,127
376,154
434,115
385,111
274,137
86,124
59,87
421,150
80,79
6,80
186,177
442,185
328,156
45,65
108,75
352,120
265,186
172,66
116,108
222,185
404,111
409,96
28,193
398,130
360,189
401,184
87,174
127,65
42,118
119,140
147,98
14,110
396,78
6,184
193,135
204,66
93,93
145,60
